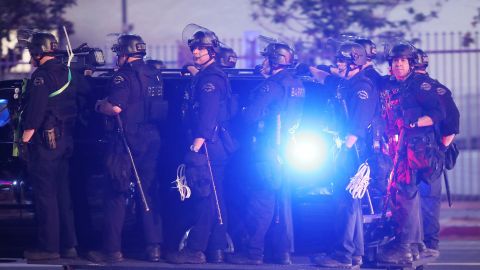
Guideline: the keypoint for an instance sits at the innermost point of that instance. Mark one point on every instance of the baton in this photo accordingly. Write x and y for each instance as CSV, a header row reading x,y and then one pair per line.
x,y
137,177
219,211
447,188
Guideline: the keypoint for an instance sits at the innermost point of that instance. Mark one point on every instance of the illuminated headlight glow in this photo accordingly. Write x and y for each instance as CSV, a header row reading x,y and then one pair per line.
x,y
307,152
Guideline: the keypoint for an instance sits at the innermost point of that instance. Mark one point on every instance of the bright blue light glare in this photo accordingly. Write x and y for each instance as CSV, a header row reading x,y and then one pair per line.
x,y
307,152
4,114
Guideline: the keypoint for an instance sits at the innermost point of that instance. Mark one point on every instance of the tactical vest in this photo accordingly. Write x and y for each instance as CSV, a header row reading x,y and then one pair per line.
x,y
155,106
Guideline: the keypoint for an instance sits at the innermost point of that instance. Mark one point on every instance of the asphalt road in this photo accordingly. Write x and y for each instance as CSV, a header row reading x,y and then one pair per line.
x,y
455,255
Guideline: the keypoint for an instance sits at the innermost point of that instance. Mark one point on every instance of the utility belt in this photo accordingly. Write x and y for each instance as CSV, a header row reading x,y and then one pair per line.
x,y
425,156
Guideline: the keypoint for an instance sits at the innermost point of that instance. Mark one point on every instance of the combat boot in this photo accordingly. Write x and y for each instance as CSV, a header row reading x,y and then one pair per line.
x,y
104,257
282,258
396,254
415,253
427,252
357,260
186,255
69,253
330,262
153,252
240,258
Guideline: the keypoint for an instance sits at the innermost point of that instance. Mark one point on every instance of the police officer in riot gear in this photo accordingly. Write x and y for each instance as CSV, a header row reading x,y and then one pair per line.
x,y
359,99
48,122
430,193
411,108
128,98
380,162
273,115
371,50
206,159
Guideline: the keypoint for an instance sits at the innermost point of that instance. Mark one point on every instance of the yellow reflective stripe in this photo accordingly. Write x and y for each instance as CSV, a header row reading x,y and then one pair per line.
x,y
59,91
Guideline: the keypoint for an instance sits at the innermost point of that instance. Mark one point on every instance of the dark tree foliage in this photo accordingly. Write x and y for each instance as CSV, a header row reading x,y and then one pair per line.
x,y
34,14
322,20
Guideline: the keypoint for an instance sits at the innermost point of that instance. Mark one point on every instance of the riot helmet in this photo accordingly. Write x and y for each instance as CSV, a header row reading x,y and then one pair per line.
x,y
402,50
42,44
279,55
130,45
352,53
196,36
369,46
421,60
227,58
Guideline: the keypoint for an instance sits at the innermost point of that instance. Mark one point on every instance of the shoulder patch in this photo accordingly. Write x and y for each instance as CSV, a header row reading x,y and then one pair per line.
x,y
441,91
362,94
118,79
425,86
297,92
38,81
208,87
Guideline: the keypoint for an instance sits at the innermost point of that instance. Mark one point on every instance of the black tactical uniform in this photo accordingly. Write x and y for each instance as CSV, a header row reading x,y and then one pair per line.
x,y
144,141
379,161
209,104
208,111
50,111
274,113
358,98
420,159
129,91
430,193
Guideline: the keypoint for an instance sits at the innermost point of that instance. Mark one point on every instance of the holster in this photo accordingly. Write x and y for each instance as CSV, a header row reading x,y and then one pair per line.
x,y
230,144
425,157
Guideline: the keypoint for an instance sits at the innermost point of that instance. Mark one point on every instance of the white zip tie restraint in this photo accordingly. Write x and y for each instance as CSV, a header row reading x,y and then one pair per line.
x,y
359,182
181,183
69,47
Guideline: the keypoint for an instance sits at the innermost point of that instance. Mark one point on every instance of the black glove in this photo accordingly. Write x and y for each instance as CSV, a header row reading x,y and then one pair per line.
x,y
303,70
197,174
189,69
23,151
451,155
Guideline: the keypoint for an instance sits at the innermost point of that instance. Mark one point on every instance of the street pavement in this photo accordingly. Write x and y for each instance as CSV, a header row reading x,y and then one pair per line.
x,y
459,247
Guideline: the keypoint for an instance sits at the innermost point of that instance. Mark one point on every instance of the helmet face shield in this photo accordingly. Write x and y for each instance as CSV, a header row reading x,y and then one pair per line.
x,y
279,55
369,46
195,36
352,54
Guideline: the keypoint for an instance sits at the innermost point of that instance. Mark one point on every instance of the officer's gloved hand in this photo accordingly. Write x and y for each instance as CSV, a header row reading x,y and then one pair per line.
x,y
197,173
23,151
189,69
303,70
325,68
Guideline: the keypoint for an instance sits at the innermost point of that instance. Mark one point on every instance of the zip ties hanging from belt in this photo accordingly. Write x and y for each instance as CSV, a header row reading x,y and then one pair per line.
x,y
359,182
181,183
